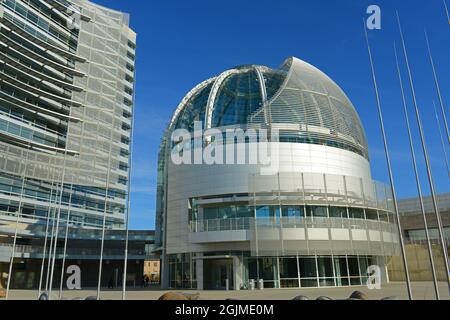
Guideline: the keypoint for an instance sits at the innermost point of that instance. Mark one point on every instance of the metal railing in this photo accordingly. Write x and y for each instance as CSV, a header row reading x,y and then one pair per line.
x,y
234,224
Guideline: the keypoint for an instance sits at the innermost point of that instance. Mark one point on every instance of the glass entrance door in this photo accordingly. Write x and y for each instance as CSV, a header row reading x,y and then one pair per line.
x,y
216,272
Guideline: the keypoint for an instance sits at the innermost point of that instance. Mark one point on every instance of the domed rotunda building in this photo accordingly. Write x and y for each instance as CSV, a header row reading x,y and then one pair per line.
x,y
319,221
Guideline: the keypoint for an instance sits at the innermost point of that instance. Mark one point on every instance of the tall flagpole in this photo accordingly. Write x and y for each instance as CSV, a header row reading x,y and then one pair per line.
x,y
446,11
419,187
16,231
102,245
130,172
444,151
427,158
46,233
438,88
388,161
58,217
65,242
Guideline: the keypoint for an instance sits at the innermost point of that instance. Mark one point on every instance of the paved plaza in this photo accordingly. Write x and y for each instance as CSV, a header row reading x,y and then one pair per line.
x,y
421,291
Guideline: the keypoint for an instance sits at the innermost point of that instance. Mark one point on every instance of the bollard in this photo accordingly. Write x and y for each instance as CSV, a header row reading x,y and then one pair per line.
x,y
260,284
251,285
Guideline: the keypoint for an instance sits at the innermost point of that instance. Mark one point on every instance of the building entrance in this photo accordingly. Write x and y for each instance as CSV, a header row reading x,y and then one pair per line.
x,y
216,274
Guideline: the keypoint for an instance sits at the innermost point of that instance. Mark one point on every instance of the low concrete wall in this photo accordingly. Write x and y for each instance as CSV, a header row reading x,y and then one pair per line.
x,y
418,264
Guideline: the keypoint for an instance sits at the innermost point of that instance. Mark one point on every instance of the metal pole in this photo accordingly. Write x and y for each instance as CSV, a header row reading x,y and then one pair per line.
x,y
51,242
13,253
446,11
438,88
46,235
65,242
58,216
130,171
419,187
442,139
388,161
427,158
104,224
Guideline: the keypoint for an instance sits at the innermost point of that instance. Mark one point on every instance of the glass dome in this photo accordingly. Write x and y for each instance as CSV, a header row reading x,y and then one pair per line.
x,y
297,98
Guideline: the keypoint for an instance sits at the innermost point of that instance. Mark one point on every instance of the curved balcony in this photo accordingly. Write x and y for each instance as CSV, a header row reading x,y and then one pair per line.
x,y
29,106
45,44
292,236
40,93
26,143
27,70
62,6
27,53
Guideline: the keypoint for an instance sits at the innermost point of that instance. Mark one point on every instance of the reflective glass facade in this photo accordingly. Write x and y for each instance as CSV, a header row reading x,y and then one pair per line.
x,y
277,272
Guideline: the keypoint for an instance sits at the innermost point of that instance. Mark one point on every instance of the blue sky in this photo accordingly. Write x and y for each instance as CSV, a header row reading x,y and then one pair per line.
x,y
181,43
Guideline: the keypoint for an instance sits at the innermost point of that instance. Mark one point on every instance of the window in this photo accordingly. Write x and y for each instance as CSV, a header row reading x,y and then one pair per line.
x,y
126,114
131,45
129,79
210,213
372,214
288,268
131,56
125,140
244,212
267,212
338,212
130,67
129,91
325,267
319,212
356,213
127,102
292,212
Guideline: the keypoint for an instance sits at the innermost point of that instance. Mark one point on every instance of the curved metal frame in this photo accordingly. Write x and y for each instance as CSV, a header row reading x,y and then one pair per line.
x,y
213,95
262,84
186,99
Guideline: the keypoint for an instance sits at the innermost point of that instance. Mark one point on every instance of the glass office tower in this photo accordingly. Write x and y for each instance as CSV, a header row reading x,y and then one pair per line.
x,y
66,102
319,221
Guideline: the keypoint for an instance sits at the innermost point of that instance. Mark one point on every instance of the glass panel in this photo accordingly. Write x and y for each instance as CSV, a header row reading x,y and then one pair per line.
x,y
288,268
292,211
356,213
267,212
244,212
340,267
238,97
326,282
325,267
338,212
210,213
308,268
372,214
194,110
363,265
225,213
353,267
252,269
308,283
262,212
320,212
268,268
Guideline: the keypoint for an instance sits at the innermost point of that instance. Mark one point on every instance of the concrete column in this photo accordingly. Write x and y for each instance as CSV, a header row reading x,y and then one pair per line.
x,y
199,273
164,276
237,273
